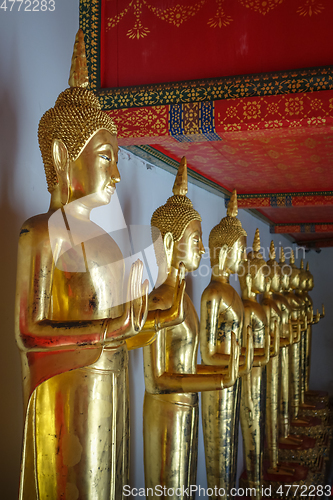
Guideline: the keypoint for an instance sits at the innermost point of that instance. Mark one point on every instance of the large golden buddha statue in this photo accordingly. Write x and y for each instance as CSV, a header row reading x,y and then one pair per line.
x,y
252,410
72,321
172,376
222,315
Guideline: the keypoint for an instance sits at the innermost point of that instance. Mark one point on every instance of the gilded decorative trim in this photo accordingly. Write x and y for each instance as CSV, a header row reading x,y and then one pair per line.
x,y
193,122
90,16
304,457
313,227
266,200
264,84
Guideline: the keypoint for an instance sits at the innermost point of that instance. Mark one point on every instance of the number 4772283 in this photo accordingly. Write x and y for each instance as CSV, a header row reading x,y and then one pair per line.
x,y
27,5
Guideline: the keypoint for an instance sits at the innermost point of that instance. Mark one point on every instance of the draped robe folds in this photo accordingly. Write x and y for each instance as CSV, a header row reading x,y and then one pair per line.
x,y
220,409
170,419
76,433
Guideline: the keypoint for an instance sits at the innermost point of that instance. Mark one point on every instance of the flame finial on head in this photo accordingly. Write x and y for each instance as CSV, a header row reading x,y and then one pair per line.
x,y
256,241
282,256
232,209
180,185
175,215
307,266
302,264
272,253
292,257
78,76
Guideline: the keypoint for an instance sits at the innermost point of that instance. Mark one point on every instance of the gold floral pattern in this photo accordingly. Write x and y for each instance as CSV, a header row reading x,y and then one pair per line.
x,y
310,7
220,19
294,106
141,122
261,6
180,13
251,109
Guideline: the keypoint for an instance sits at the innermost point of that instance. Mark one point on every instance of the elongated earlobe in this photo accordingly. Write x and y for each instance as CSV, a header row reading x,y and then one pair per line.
x,y
222,257
168,247
61,164
248,284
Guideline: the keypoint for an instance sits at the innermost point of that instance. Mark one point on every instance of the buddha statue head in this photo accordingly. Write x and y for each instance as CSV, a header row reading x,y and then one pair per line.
x,y
180,227
303,277
290,270
227,240
274,269
309,282
256,268
78,140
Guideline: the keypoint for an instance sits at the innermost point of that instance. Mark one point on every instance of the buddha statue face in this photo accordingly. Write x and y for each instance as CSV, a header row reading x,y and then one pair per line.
x,y
259,279
93,175
235,255
310,283
294,279
285,281
276,282
302,280
189,248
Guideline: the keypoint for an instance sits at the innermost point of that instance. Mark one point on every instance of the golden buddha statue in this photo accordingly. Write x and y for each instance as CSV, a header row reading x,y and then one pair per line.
x,y
315,408
312,320
286,340
72,321
252,409
277,473
172,376
274,320
222,314
299,324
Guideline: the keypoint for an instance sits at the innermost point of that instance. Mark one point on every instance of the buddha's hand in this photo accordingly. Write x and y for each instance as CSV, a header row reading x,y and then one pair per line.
x,y
297,329
323,311
317,318
305,325
136,308
261,355
233,367
245,368
176,313
291,333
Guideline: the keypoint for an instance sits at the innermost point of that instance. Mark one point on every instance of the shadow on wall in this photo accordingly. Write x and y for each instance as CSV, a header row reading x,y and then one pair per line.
x,y
10,369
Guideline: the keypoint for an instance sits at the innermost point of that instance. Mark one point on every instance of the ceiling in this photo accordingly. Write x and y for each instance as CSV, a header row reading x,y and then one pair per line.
x,y
242,88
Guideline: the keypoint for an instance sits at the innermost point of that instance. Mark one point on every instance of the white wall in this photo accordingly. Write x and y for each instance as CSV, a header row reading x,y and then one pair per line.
x,y
35,54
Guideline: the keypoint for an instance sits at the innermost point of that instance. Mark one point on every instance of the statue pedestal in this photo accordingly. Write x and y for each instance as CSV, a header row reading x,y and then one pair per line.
x,y
274,483
305,453
317,396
